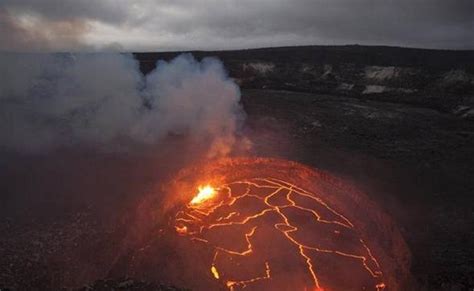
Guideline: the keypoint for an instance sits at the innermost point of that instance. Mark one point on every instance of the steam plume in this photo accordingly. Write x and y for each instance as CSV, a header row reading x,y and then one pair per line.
x,y
102,100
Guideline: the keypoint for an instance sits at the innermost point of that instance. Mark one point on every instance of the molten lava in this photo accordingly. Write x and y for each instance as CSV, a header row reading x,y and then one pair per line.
x,y
279,199
205,193
277,225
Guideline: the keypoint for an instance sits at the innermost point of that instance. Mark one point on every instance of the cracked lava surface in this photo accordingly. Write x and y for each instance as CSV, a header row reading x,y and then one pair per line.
x,y
240,208
268,233
269,224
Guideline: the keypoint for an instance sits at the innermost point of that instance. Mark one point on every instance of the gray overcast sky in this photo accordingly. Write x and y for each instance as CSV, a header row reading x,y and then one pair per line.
x,y
157,25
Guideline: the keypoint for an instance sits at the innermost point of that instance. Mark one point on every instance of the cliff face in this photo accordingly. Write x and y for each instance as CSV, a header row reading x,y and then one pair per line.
x,y
349,78
442,80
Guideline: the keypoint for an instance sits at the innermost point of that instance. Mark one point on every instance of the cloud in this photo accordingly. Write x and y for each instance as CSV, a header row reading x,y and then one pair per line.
x,y
54,25
211,24
30,33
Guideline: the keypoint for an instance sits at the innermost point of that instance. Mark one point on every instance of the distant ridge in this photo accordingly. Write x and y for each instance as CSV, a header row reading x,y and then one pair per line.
x,y
355,54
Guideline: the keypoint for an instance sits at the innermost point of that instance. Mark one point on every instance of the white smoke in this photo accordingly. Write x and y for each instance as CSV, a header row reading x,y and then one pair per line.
x,y
51,101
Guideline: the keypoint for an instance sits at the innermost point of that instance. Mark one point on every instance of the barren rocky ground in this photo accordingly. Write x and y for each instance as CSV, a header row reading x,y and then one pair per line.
x,y
414,162
396,123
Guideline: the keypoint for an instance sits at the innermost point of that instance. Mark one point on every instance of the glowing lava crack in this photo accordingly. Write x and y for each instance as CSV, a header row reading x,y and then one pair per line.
x,y
265,224
320,244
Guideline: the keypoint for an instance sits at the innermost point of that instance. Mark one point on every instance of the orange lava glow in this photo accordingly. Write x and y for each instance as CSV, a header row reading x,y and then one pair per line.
x,y
308,227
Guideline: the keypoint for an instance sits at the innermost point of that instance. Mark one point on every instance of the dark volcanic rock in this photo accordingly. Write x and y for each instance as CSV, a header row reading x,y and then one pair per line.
x,y
398,123
127,284
429,78
415,162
